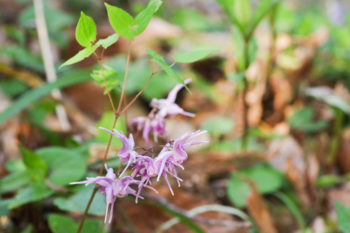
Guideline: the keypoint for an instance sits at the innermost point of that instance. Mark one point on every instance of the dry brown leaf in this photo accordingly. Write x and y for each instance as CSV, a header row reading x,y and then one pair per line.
x,y
299,182
259,211
343,158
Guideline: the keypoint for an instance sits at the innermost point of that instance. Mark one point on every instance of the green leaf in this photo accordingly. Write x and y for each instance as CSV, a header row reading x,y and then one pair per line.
x,y
4,210
36,166
28,229
161,62
327,181
218,126
243,11
263,9
106,42
121,21
183,219
106,122
343,215
109,74
143,18
81,55
78,202
35,192
194,55
62,224
14,181
293,208
65,165
303,120
265,177
85,33
86,52
74,77
227,6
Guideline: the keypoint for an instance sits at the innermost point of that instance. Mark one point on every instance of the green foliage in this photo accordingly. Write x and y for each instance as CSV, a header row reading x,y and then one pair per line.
x,y
121,21
227,6
21,56
13,87
78,201
240,13
110,75
32,193
144,17
14,181
86,52
85,32
36,166
157,58
303,120
125,25
31,96
327,181
343,215
108,41
194,54
62,224
65,166
106,121
158,87
218,126
266,178
56,21
183,219
264,8
243,11
293,208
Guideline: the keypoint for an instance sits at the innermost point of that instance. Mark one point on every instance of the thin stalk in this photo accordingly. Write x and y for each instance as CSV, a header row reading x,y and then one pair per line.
x,y
105,83
87,209
244,95
124,81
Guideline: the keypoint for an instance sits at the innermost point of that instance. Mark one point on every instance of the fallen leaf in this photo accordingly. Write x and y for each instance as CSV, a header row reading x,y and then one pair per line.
x,y
259,211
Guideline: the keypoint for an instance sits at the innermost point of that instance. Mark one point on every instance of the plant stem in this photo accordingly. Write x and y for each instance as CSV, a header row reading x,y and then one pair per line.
x,y
105,83
244,95
87,209
124,81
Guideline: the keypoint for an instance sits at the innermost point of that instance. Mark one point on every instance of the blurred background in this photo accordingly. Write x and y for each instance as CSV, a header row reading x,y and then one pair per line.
x,y
293,175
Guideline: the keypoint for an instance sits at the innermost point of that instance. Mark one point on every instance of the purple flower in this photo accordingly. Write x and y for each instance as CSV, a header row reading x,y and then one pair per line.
x,y
144,169
152,124
173,155
127,153
183,142
112,188
168,107
166,164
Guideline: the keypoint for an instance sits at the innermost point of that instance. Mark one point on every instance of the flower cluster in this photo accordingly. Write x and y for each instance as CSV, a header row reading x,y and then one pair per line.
x,y
155,121
144,167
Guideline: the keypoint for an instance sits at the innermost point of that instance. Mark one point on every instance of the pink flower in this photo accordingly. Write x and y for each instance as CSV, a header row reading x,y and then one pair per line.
x,y
168,107
152,124
112,188
166,164
144,169
173,155
127,153
183,142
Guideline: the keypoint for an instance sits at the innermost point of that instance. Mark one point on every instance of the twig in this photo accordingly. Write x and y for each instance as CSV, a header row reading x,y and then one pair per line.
x,y
125,77
48,61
